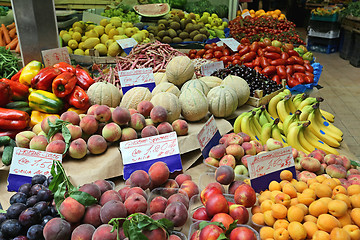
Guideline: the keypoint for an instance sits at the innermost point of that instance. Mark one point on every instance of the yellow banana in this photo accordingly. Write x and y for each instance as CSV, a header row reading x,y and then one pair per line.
x,y
320,133
310,101
265,132
276,134
273,104
245,125
333,131
293,138
297,99
268,116
304,142
262,117
290,119
256,123
281,109
237,123
329,116
305,112
290,105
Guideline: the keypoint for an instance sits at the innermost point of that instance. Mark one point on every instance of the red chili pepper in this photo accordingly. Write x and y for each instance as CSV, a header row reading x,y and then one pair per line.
x,y
272,55
269,70
308,79
264,62
289,70
278,62
299,68
11,119
299,60
281,71
63,84
293,53
273,49
248,57
64,67
44,79
16,76
78,98
245,50
284,56
309,68
20,91
290,61
277,79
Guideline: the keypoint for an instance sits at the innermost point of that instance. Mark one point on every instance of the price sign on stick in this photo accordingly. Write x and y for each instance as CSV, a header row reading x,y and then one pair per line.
x,y
208,136
266,167
26,163
127,44
231,43
55,55
143,77
140,154
208,69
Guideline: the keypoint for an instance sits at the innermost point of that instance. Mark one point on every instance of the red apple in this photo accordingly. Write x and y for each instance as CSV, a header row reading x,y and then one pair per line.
x,y
245,195
240,213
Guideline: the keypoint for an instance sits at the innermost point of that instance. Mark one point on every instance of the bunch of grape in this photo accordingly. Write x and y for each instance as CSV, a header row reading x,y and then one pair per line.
x,y
31,208
126,16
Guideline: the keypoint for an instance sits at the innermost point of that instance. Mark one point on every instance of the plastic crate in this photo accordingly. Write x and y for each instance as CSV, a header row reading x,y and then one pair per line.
x,y
355,55
323,45
331,18
346,48
324,27
330,34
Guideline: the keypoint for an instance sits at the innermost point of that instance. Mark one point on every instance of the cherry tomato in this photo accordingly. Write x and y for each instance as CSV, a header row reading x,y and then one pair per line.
x,y
249,64
257,61
290,61
300,77
254,46
289,70
298,60
273,49
293,53
308,79
277,79
245,41
284,56
291,82
309,68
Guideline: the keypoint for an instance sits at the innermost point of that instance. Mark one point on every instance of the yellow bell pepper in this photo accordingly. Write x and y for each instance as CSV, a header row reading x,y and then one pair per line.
x,y
78,111
29,72
37,117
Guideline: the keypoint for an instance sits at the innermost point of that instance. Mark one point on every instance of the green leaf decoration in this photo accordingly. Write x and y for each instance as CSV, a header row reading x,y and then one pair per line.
x,y
204,224
222,236
83,198
355,163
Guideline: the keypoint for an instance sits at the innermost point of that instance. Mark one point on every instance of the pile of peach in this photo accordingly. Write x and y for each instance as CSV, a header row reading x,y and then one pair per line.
x,y
318,162
92,222
99,127
319,209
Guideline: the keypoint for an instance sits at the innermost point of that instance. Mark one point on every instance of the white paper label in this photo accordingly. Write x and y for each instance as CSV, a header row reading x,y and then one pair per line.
x,y
136,77
127,43
207,132
245,14
55,55
28,162
231,43
208,69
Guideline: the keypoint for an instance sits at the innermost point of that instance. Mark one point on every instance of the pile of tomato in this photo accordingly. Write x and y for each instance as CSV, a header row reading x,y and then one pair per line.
x,y
256,28
275,62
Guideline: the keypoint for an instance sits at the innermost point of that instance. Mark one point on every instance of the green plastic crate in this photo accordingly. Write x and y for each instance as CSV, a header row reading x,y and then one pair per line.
x,y
331,18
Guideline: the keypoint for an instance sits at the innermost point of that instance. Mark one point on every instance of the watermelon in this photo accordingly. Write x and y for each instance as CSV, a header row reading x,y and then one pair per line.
x,y
152,10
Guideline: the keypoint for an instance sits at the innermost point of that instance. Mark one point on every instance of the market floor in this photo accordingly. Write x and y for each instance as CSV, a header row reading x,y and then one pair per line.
x,y
341,91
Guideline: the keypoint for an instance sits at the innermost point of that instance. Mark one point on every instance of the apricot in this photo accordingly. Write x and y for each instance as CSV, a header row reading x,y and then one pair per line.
x,y
310,228
323,190
92,215
303,207
83,232
274,193
281,223
112,209
274,185
159,173
177,213
309,192
339,189
283,182
281,234
305,199
353,189
297,231
321,235
286,175
104,232
300,186
255,209
279,211
345,220
57,229
283,199
108,196
258,218
268,218
343,197
290,190
264,196
331,182
339,234
266,205
320,178
353,231
317,208
310,218
327,222
337,208
72,210
355,200
266,232
355,216
295,213
325,200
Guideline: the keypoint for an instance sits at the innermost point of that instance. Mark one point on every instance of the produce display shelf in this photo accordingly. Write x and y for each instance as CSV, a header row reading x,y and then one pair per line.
x,y
263,100
331,18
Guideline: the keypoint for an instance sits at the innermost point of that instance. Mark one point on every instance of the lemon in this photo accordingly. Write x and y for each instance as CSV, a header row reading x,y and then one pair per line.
x,y
108,28
76,36
100,30
73,44
81,46
109,42
114,49
120,30
146,33
83,38
104,22
70,51
91,33
91,42
78,29
113,32
66,37
62,32
79,52
118,37
101,48
116,21
89,27
87,52
104,38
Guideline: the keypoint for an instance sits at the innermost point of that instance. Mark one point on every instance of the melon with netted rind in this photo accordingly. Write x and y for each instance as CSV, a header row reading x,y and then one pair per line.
x,y
134,96
194,104
170,102
240,86
179,70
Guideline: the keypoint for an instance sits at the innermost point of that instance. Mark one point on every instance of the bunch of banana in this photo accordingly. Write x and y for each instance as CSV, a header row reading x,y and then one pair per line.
x,y
272,130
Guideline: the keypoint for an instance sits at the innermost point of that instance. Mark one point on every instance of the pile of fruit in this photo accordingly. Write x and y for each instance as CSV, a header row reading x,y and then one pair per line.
x,y
124,13
85,36
319,208
274,14
256,28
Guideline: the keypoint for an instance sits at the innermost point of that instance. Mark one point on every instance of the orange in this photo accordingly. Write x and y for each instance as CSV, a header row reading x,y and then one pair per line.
x,y
297,231
281,234
339,234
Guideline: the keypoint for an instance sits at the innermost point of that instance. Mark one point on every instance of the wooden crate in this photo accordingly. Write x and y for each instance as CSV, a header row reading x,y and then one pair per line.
x,y
351,23
259,101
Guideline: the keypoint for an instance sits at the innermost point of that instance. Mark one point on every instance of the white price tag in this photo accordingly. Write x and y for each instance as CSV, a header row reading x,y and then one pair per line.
x,y
207,132
245,14
208,69
127,43
131,78
55,55
231,43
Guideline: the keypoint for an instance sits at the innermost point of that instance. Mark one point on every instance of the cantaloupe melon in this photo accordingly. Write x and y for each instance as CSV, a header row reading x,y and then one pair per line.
x,y
134,96
240,86
196,83
160,77
104,93
194,104
166,87
211,81
223,101
170,102
179,70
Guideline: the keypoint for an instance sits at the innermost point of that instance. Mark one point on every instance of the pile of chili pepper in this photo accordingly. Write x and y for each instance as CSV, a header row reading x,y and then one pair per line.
x,y
261,27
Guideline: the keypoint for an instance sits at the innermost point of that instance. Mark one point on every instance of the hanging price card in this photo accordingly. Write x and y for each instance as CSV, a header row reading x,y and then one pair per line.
x,y
208,69
127,44
208,136
26,163
231,43
266,167
55,55
140,154
143,77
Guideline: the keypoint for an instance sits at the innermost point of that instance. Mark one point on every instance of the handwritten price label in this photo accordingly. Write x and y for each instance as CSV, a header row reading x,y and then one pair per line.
x,y
208,69
138,77
208,136
245,14
141,153
56,55
127,44
231,43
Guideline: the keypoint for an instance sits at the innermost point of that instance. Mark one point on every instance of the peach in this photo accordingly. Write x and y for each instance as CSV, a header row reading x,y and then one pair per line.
x,y
310,164
123,192
159,173
57,146
178,197
121,116
239,213
56,136
349,172
306,175
23,138
45,123
91,189
327,222
180,127
158,216
103,185
318,155
233,186
171,187
137,190
233,138
96,144
149,131
75,131
128,134
345,162
158,204
112,209
164,127
158,233
224,218
140,178
177,213
235,150
207,192
217,151
190,188
72,210
137,121
71,117
108,196
158,114
273,144
132,111
111,132
38,143
217,203
245,195
295,213
102,113
200,214
37,128
135,203
182,178
228,160
249,148
224,174
78,148
91,109
83,232
144,108
212,161
317,208
57,229
336,171
353,231
104,232
297,231
89,124
245,137
244,160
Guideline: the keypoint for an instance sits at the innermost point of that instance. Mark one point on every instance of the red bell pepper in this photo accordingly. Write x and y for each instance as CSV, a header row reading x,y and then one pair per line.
x,y
84,80
6,94
11,119
20,91
78,98
63,84
65,67
16,76
44,79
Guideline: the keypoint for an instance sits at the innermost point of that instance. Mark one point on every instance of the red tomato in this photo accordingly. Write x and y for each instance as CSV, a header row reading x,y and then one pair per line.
x,y
269,70
245,50
293,53
284,56
289,70
291,82
309,74
248,57
260,52
200,52
262,45
192,56
254,46
258,69
309,68
277,79
208,46
218,54
226,52
300,77
257,61
273,49
299,68
290,61
192,51
298,60
249,64
208,56
209,51
278,62
306,62
264,62
272,55
236,61
308,79
218,48
281,71
245,41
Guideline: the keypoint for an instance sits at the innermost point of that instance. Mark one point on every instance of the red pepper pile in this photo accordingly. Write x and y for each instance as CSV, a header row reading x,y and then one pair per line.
x,y
264,27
